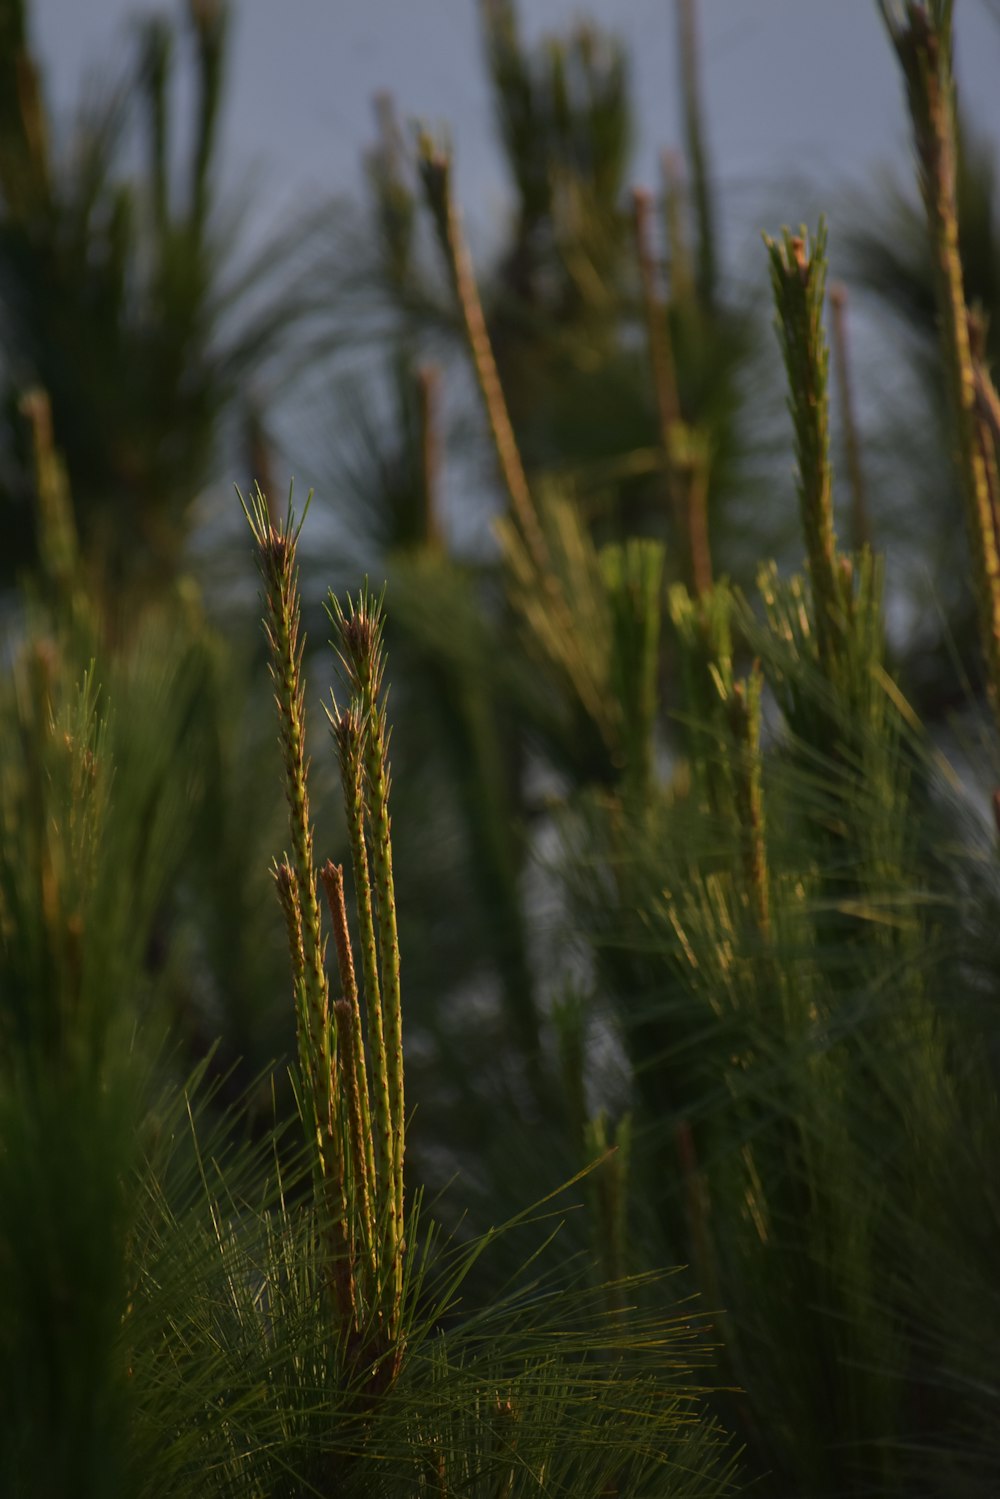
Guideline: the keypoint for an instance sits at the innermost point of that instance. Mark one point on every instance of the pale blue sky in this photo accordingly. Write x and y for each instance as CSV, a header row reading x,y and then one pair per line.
x,y
803,96
794,87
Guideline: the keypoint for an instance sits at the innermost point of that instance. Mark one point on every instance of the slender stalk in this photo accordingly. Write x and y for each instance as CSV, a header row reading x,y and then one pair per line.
x,y
697,151
921,36
861,531
287,890
429,397
378,784
744,712
355,1084
355,1067
348,735
657,328
436,173
393,197
798,275
611,1194
690,464
156,57
525,532
26,117
987,416
321,1068
210,19
276,559
57,538
678,250
360,636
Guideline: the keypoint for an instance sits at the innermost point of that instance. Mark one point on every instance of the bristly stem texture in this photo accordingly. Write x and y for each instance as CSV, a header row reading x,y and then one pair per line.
x,y
351,1044
358,644
296,877
921,36
359,1161
798,275
436,172
347,726
745,716
861,530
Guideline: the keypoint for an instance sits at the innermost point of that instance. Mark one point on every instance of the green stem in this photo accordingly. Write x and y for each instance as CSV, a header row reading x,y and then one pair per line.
x,y
348,736
923,45
798,275
332,876
861,530
276,557
436,171
359,1130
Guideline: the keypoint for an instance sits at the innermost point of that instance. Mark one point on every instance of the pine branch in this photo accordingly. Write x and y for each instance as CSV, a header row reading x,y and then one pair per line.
x,y
921,36
359,646
798,275
435,166
861,529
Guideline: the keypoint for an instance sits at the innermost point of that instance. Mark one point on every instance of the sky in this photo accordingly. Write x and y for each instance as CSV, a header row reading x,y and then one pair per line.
x,y
803,100
795,89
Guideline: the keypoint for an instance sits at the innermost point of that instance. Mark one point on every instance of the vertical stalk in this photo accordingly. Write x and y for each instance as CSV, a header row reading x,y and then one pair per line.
x,y
347,732
525,528
287,890
678,251
58,545
276,559
360,640
361,1177
798,275
429,397
690,461
355,1067
209,19
436,173
354,1083
744,716
921,36
610,1193
685,458
378,789
987,415
155,78
697,152
861,531
661,352
321,1067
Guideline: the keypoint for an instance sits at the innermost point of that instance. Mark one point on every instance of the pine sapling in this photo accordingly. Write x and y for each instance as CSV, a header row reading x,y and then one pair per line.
x,y
296,878
333,1093
358,643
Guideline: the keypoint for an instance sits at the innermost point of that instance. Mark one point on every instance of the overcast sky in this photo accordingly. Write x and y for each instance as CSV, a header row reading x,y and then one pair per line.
x,y
803,97
794,87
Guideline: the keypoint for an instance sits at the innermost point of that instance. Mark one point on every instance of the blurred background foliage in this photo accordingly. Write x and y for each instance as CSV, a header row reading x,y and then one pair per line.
x,y
676,873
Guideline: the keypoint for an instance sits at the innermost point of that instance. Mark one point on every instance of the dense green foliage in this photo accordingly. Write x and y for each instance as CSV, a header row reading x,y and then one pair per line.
x,y
684,916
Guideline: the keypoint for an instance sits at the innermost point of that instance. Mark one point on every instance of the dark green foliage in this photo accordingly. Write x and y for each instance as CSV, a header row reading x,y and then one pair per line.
x,y
101,273
693,910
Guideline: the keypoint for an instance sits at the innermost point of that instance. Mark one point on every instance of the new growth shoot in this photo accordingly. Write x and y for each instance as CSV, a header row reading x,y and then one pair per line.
x,y
350,1056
